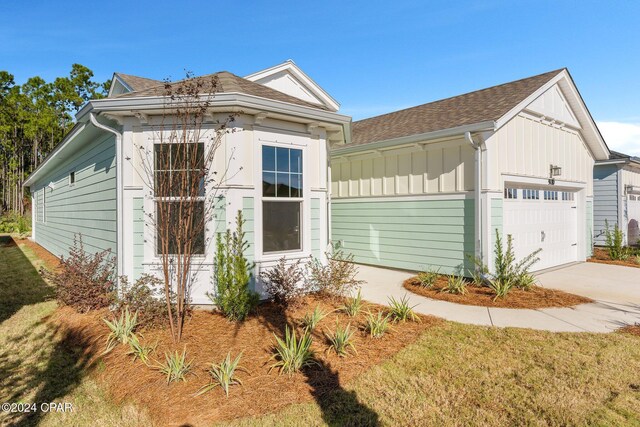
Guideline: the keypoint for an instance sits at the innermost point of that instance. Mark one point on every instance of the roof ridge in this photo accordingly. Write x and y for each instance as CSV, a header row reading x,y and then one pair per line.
x,y
464,94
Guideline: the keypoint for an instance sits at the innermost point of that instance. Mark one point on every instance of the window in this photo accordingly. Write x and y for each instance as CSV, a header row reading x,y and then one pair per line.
x,y
568,196
550,195
179,181
510,193
281,199
72,178
530,194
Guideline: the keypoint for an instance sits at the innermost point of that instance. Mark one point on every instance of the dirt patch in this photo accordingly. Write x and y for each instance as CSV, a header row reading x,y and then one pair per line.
x,y
51,261
537,297
631,329
209,336
601,256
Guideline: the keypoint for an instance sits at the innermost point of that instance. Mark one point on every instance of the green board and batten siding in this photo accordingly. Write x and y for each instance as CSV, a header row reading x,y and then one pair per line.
x,y
411,235
249,227
88,207
138,237
590,235
315,228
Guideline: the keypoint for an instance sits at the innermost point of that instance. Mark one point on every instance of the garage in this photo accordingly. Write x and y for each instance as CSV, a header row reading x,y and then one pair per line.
x,y
545,218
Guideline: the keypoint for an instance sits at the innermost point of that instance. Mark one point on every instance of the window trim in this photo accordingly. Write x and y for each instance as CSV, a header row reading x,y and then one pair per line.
x,y
72,178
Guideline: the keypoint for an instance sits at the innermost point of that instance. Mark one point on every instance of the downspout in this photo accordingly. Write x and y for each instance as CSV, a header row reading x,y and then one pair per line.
x,y
478,194
119,193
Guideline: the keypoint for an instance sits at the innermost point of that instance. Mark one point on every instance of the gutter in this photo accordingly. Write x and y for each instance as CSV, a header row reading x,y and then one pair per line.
x,y
119,193
412,139
479,220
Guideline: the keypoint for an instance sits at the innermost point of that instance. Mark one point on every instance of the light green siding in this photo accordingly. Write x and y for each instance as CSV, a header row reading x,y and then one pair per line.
x,y
220,214
249,227
87,207
496,220
315,228
411,235
589,231
138,237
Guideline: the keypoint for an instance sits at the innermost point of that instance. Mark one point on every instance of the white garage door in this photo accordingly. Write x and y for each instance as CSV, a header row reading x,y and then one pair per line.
x,y
633,214
539,218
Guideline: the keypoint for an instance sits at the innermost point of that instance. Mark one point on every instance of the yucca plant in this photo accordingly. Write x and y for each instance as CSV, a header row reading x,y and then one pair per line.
x,y
224,375
353,305
376,325
525,281
428,278
501,287
139,350
311,320
293,354
400,310
121,329
455,285
176,366
341,340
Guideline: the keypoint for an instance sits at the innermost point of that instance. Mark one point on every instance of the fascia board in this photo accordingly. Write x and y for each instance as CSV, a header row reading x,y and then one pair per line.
x,y
410,139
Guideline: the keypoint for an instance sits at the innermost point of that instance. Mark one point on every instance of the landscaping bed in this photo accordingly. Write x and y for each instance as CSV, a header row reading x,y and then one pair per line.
x,y
209,336
601,255
536,297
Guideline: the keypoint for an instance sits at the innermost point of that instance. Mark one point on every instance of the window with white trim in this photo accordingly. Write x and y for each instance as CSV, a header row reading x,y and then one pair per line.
x,y
510,193
176,165
281,199
568,196
550,195
530,194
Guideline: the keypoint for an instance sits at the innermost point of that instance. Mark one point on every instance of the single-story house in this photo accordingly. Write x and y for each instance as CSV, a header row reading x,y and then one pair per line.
x,y
276,161
426,186
616,184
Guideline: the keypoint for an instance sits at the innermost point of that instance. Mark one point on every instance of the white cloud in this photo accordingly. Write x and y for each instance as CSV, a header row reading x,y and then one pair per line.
x,y
622,137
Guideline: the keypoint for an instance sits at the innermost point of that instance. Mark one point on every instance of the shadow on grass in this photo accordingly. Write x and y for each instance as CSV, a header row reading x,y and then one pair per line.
x,y
20,282
339,407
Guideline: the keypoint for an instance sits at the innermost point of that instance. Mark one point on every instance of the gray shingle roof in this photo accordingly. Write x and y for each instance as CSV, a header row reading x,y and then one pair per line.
x,y
471,108
138,83
226,82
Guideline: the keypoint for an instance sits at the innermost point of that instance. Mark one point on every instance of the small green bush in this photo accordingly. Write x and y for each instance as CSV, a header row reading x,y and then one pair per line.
x,y
175,366
337,277
293,354
223,375
353,305
400,311
428,278
376,325
139,350
341,340
311,320
613,240
455,285
122,329
233,297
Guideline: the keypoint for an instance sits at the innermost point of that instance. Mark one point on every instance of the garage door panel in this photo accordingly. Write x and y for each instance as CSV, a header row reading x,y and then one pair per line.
x,y
633,223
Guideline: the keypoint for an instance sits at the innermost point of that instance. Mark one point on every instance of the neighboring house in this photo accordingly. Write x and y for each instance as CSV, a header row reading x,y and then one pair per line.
x,y
405,190
617,197
92,183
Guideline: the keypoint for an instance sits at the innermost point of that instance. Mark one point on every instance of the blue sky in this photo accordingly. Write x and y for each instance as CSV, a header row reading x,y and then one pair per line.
x,y
373,57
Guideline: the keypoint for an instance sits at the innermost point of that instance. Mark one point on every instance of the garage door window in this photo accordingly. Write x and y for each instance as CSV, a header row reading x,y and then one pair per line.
x,y
529,194
568,196
510,193
550,195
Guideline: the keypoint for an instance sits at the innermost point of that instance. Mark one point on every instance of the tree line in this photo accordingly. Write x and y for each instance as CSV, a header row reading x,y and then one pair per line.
x,y
34,118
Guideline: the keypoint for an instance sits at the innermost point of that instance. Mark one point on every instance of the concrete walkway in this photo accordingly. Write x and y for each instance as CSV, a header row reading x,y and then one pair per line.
x,y
604,315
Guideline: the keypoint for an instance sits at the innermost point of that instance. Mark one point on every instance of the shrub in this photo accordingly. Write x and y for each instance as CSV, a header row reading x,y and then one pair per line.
x,y
400,310
613,240
139,350
282,283
233,297
176,366
121,328
353,305
15,223
146,297
376,325
223,375
341,340
337,278
311,320
293,354
85,281
428,278
455,285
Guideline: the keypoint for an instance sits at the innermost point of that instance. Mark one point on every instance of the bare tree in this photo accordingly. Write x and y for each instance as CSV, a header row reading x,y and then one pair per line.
x,y
180,171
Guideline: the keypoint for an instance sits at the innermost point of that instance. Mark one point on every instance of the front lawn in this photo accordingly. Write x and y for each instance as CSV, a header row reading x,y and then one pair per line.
x,y
452,374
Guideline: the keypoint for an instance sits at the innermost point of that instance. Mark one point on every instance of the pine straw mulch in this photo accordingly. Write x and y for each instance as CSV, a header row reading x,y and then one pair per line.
x,y
51,261
631,329
537,297
601,256
209,336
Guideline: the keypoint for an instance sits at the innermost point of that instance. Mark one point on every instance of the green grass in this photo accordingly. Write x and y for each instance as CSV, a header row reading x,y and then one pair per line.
x,y
453,374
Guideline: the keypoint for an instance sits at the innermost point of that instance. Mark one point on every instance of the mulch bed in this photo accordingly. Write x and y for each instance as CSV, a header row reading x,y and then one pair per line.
x,y
601,256
631,329
537,297
209,336
51,261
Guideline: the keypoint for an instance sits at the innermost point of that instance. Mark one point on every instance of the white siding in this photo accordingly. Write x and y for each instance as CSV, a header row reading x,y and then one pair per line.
x,y
630,176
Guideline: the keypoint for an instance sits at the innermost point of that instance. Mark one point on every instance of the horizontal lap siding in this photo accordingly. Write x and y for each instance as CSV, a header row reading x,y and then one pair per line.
x,y
605,204
87,208
412,235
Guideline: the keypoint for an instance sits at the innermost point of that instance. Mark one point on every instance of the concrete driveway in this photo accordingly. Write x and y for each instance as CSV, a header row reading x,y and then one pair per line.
x,y
601,282
615,290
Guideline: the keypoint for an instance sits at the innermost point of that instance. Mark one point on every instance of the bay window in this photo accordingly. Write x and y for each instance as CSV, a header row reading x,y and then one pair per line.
x,y
281,199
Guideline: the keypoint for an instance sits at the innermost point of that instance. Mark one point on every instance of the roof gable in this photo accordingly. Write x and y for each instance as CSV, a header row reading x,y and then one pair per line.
x,y
290,79
552,104
126,83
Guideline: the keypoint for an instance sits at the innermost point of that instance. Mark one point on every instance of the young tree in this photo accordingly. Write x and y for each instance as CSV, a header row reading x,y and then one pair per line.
x,y
180,171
